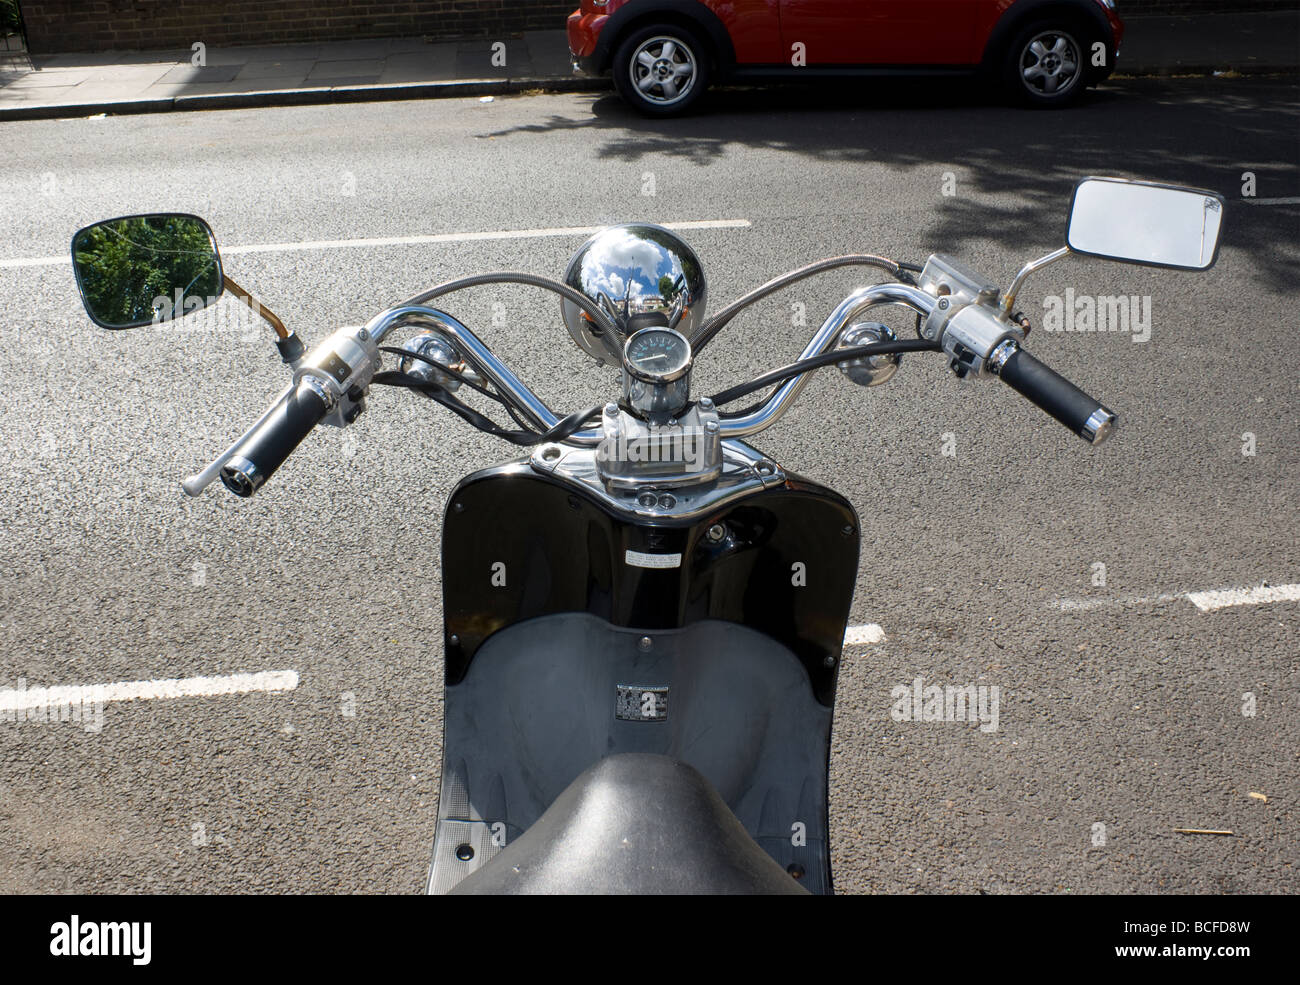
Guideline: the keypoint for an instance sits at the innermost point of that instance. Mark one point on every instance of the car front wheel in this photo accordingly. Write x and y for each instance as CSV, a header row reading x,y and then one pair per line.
x,y
661,70
1046,65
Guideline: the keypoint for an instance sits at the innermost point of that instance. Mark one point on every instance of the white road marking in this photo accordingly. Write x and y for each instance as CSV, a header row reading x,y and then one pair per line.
x,y
870,633
1223,598
351,244
27,699
1272,201
1075,605
1207,601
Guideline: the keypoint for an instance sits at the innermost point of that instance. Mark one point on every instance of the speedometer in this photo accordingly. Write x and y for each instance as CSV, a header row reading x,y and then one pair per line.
x,y
657,355
656,373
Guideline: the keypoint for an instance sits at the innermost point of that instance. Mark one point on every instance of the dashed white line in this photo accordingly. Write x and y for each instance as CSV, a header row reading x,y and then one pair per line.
x,y
1084,605
1225,597
28,699
352,244
858,635
1207,601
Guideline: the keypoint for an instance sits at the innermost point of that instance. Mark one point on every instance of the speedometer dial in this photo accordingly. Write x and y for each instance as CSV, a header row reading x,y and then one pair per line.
x,y
657,355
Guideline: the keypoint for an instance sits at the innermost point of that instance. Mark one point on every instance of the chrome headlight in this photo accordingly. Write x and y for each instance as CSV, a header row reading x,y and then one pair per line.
x,y
639,274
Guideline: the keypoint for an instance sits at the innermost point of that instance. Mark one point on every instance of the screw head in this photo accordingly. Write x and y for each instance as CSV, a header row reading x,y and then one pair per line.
x,y
645,643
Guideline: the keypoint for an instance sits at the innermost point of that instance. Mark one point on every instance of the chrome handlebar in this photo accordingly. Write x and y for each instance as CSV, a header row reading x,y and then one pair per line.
x,y
486,362
826,338
532,407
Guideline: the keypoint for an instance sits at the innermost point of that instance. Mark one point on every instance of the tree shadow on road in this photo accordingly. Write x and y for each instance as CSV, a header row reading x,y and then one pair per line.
x,y
1202,132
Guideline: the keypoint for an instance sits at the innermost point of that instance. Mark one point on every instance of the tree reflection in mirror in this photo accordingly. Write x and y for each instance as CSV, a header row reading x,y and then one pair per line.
x,y
146,268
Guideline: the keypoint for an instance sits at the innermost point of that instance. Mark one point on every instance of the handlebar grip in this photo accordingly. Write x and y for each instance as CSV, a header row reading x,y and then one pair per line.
x,y
264,450
1039,383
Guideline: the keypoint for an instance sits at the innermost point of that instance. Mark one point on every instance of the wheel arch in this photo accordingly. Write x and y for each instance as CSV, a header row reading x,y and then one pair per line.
x,y
690,14
1022,12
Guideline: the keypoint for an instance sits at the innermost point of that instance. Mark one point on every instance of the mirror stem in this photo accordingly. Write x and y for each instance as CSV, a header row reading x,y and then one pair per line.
x,y
1009,297
258,308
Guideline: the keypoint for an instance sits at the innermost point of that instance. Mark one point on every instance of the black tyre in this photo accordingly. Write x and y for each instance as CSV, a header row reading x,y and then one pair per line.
x,y
661,69
1046,64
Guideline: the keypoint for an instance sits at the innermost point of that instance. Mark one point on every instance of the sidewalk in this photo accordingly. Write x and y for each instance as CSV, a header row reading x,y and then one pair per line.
x,y
47,86
345,71
1250,43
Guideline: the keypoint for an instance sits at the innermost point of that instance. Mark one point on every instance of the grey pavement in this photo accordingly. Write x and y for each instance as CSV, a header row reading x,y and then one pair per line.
x,y
149,81
283,73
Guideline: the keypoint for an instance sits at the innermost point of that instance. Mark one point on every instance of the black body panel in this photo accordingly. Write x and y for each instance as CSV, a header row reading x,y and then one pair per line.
x,y
553,633
559,549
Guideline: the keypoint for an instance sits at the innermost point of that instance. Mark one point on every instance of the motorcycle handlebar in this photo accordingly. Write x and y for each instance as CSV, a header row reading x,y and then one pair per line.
x,y
1053,393
264,449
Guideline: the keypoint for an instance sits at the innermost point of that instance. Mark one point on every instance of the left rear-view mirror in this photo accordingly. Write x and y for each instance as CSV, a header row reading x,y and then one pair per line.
x,y
140,269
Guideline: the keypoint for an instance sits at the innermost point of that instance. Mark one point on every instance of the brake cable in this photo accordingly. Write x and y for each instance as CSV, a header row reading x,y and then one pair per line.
x,y
563,429
817,362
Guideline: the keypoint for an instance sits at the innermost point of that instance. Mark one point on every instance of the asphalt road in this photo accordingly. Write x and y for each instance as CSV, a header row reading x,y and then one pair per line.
x,y
1126,711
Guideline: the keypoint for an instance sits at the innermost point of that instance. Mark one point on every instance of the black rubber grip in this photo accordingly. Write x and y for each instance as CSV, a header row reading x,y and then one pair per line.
x,y
1038,382
264,451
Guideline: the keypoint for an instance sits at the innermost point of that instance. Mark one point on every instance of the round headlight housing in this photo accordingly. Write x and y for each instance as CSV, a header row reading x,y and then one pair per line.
x,y
642,276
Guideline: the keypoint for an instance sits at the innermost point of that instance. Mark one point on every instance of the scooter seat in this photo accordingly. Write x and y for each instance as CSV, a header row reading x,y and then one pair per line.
x,y
634,823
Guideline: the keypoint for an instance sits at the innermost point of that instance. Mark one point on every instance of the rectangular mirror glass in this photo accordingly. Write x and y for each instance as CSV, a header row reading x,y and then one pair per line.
x,y
1141,222
146,268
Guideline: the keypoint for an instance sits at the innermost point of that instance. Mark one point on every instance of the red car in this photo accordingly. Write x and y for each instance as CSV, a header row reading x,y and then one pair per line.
x,y
664,53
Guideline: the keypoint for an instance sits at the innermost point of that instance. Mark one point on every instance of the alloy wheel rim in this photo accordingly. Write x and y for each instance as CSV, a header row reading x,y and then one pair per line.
x,y
1050,64
663,70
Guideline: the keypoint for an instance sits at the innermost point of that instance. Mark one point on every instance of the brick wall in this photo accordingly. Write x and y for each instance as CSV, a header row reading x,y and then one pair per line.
x,y
108,25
